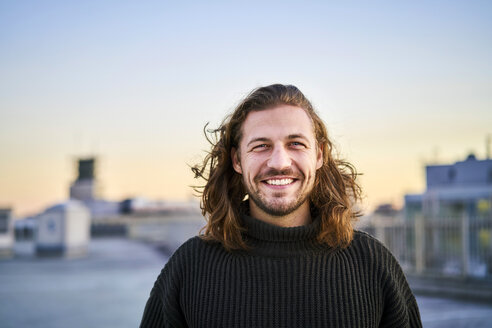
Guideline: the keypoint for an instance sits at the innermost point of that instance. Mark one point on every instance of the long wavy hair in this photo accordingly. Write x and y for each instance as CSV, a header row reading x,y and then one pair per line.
x,y
335,192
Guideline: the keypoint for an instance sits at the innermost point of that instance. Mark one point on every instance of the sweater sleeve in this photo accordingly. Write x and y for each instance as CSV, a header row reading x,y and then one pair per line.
x,y
400,307
163,307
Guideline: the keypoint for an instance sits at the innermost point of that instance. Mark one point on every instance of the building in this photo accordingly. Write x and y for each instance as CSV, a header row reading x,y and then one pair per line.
x,y
6,232
453,190
87,190
63,229
85,187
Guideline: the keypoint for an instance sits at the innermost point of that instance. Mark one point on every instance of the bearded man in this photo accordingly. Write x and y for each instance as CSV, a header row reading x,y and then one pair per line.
x,y
279,248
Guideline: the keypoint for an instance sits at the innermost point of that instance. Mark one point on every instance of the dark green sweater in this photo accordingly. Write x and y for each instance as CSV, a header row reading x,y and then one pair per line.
x,y
286,280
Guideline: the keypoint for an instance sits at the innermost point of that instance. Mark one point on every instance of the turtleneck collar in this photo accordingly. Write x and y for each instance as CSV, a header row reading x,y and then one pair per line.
x,y
270,240
268,232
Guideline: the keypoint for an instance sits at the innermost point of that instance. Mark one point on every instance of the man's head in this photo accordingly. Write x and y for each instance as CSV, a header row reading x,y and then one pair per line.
x,y
274,149
278,156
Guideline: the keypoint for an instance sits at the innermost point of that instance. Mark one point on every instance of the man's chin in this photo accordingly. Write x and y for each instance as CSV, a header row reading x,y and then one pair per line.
x,y
278,208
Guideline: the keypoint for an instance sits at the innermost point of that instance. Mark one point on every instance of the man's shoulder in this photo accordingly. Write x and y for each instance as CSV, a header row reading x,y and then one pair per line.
x,y
193,242
366,243
194,246
364,237
371,248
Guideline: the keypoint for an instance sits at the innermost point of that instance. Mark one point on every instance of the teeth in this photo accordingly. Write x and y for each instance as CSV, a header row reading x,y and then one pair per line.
x,y
279,182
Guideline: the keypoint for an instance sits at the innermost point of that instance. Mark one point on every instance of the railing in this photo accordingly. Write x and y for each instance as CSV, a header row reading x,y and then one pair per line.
x,y
437,246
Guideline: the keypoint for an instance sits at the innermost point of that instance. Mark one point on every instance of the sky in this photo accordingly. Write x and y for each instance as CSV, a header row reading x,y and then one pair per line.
x,y
399,85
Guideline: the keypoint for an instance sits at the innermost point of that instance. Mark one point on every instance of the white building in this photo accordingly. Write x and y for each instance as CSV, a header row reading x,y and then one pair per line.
x,y
63,229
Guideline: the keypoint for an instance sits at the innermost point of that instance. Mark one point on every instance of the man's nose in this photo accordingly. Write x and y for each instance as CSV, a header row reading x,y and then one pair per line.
x,y
279,159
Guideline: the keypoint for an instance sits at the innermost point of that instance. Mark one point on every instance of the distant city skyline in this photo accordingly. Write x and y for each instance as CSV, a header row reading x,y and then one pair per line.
x,y
134,83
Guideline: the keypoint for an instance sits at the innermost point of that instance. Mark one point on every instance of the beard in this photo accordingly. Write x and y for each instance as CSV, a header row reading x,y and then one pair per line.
x,y
276,204
276,208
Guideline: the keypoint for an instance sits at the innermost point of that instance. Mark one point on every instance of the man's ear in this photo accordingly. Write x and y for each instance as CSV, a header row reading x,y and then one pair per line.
x,y
235,160
319,157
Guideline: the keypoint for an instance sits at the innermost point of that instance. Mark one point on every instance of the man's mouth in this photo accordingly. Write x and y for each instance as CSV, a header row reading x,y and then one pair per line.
x,y
279,182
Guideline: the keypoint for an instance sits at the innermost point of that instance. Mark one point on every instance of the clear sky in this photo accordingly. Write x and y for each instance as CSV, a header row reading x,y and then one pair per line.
x,y
399,84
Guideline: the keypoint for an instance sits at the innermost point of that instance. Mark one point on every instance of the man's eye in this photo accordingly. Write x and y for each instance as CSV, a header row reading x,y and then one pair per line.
x,y
296,144
260,147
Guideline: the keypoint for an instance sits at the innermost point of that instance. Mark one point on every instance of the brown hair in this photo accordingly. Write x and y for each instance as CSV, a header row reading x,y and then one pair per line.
x,y
335,191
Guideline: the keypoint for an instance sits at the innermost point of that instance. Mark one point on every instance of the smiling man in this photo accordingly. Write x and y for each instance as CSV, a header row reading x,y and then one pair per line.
x,y
279,248
278,157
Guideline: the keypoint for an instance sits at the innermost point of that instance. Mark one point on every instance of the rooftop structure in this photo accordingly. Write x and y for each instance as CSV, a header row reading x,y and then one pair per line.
x,y
6,232
87,189
464,187
63,229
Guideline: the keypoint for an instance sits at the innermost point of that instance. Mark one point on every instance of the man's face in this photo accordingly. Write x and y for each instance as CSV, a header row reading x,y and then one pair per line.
x,y
278,158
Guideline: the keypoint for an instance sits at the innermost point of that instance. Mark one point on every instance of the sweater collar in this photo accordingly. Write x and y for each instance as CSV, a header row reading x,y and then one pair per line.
x,y
260,230
265,239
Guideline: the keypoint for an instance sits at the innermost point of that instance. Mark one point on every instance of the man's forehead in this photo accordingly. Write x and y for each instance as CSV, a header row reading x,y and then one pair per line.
x,y
285,120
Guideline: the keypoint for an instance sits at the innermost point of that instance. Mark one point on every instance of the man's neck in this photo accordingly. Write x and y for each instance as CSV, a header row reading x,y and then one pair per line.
x,y
299,217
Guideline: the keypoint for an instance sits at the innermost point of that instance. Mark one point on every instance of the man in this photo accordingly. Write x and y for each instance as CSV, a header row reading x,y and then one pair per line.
x,y
279,249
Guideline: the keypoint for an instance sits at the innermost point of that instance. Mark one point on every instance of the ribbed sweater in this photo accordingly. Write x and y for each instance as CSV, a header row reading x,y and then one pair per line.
x,y
286,279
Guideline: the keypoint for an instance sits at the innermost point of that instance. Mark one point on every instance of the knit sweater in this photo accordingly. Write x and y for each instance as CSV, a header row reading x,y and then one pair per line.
x,y
286,279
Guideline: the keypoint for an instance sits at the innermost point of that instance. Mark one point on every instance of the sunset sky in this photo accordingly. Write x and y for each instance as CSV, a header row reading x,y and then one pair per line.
x,y
399,84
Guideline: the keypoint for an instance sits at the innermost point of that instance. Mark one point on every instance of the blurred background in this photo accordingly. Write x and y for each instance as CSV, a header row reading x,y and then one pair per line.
x,y
102,110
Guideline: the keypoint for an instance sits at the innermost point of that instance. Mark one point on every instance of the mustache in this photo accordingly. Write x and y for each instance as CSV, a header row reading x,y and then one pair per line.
x,y
274,172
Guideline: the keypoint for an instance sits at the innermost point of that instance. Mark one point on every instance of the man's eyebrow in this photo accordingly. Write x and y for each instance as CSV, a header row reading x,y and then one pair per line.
x,y
289,137
262,139
298,136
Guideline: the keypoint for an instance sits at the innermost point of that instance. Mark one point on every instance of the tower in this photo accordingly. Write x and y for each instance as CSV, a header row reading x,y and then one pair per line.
x,y
85,187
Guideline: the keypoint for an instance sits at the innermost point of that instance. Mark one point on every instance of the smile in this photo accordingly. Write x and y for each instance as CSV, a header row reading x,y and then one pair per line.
x,y
279,182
